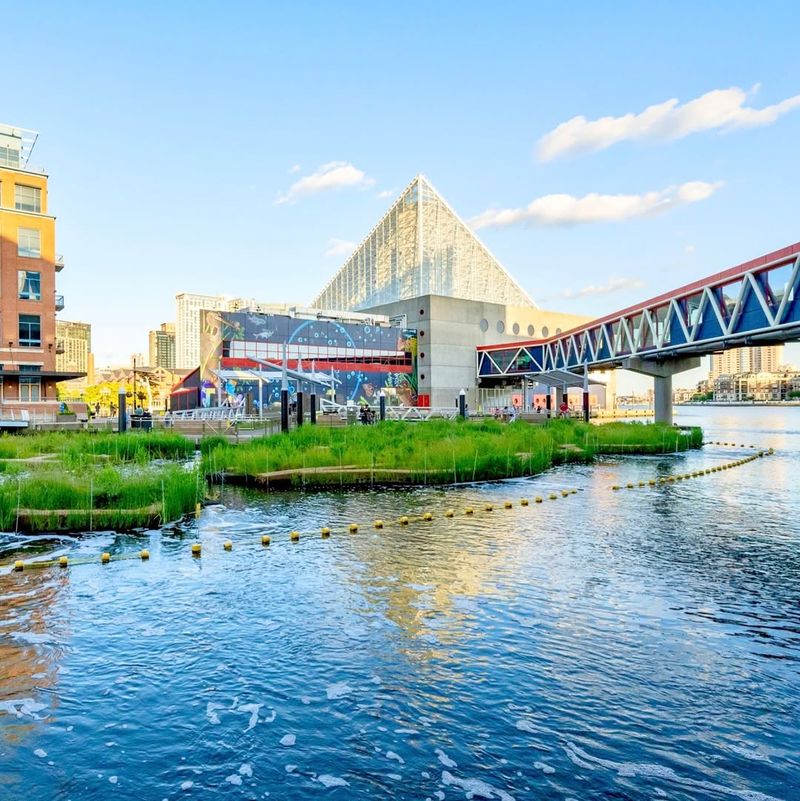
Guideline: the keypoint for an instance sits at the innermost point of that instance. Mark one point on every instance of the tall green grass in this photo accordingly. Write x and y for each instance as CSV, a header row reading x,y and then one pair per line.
x,y
437,451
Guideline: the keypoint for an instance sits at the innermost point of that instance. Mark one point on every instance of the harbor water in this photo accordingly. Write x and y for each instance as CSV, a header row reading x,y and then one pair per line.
x,y
632,644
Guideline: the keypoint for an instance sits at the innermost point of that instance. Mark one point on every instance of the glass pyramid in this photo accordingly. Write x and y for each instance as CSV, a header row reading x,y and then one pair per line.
x,y
420,247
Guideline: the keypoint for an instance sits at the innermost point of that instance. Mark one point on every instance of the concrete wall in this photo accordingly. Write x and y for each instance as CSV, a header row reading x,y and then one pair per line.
x,y
449,330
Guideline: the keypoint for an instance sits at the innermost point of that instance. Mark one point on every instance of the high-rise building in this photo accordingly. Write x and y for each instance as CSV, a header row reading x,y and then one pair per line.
x,y
28,267
738,361
420,247
187,320
74,346
162,347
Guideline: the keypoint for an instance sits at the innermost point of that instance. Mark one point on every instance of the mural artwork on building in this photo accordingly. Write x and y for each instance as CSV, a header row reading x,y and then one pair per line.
x,y
242,356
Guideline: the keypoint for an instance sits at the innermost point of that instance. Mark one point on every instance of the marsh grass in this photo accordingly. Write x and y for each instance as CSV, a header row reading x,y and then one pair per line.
x,y
435,452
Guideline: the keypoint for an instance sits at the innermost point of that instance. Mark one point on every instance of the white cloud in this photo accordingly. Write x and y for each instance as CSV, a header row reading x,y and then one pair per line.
x,y
722,109
564,210
340,247
386,193
333,175
295,168
612,285
689,249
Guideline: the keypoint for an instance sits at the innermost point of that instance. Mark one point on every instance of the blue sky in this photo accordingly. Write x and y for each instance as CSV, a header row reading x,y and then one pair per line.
x,y
170,131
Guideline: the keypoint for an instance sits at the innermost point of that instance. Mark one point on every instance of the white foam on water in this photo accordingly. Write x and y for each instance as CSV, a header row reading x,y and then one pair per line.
x,y
338,690
440,795
406,731
41,753
234,778
246,769
425,774
290,768
445,760
22,708
253,709
304,699
332,781
211,712
397,757
271,718
750,753
113,779
187,785
582,759
288,740
544,767
475,788
394,776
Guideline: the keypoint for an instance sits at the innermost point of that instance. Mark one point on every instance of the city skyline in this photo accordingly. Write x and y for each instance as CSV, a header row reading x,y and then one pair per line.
x,y
680,165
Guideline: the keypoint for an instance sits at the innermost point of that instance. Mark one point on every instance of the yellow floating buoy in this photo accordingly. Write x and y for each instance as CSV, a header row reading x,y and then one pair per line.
x,y
144,554
227,545
641,483
552,496
450,513
629,485
652,482
523,502
294,536
771,451
265,540
538,499
19,565
573,492
613,487
427,516
352,528
325,531
469,510
564,493
105,558
488,507
508,505
197,549
63,561
403,521
379,524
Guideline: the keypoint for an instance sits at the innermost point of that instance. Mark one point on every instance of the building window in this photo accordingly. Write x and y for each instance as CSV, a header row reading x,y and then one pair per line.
x,y
501,326
531,330
30,331
29,242
484,325
30,368
30,285
27,198
30,389
9,157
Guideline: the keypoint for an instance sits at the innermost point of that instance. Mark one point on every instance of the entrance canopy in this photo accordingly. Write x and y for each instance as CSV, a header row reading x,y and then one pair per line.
x,y
561,378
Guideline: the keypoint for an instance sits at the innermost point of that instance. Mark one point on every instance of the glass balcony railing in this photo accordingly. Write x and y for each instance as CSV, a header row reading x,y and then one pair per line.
x,y
59,302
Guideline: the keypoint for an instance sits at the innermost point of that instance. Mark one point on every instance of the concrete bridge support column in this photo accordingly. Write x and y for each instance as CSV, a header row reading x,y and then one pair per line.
x,y
662,373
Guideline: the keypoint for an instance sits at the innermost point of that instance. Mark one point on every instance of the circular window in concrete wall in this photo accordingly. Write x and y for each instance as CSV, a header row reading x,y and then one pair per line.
x,y
531,330
515,328
545,330
501,326
558,331
422,376
422,333
484,325
422,355
422,312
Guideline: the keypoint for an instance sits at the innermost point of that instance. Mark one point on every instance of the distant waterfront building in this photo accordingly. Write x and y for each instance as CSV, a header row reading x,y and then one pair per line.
x,y
162,346
738,361
28,267
187,320
423,265
756,386
74,355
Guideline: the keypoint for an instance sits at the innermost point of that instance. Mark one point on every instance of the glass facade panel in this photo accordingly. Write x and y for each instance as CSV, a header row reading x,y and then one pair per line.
x,y
29,242
27,198
29,285
420,247
30,331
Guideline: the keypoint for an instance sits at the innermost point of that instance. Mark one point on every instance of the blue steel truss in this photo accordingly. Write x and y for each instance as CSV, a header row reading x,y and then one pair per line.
x,y
756,303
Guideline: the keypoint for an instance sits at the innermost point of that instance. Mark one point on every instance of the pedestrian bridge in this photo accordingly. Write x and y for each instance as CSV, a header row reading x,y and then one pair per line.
x,y
755,303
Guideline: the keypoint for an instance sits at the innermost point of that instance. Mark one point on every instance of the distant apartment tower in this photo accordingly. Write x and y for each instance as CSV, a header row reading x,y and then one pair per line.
x,y
28,267
74,349
187,320
162,347
738,361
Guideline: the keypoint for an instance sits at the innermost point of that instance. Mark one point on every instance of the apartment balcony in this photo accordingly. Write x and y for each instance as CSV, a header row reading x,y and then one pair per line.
x,y
59,303
59,263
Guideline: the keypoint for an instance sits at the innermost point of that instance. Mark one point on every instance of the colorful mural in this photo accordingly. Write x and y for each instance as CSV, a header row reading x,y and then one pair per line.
x,y
242,355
